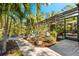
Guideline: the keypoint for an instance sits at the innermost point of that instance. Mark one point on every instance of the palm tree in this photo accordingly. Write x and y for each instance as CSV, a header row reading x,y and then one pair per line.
x,y
38,5
5,10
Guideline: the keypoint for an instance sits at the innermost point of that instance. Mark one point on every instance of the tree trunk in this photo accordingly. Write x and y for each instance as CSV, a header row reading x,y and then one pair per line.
x,y
5,35
5,30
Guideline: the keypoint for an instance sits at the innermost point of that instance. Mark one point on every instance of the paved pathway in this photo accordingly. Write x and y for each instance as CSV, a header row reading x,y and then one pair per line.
x,y
29,50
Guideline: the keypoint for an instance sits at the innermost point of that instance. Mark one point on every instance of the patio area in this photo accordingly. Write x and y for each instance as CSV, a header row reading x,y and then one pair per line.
x,y
66,48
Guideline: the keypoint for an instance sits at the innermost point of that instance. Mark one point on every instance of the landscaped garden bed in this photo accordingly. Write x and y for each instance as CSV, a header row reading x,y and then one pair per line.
x,y
39,41
13,49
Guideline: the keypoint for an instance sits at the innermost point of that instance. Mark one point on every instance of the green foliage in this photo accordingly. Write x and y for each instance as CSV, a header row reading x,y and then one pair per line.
x,y
19,12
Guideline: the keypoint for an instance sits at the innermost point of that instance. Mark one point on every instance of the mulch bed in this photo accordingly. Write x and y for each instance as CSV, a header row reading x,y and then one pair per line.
x,y
39,41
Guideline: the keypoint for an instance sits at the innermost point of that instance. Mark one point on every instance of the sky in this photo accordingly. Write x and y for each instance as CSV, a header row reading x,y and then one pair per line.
x,y
52,7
